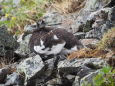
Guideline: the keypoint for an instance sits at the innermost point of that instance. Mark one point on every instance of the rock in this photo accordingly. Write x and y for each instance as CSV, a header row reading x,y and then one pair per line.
x,y
23,41
79,66
76,81
3,74
54,82
49,67
111,3
101,22
88,79
58,82
70,77
29,29
90,6
14,79
32,67
80,35
2,84
7,43
97,62
112,16
89,43
53,18
6,70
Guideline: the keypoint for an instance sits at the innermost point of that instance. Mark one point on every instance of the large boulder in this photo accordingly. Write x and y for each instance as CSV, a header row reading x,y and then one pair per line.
x,y
7,43
31,67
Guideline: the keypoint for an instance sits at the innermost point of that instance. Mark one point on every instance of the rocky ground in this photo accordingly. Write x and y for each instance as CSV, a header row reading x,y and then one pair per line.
x,y
23,68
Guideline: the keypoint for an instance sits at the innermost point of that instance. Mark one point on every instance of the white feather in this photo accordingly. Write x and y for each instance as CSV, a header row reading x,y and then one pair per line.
x,y
55,37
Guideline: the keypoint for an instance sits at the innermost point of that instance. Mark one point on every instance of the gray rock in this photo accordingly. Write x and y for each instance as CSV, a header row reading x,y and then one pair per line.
x,y
7,43
90,6
3,74
2,84
49,67
80,35
30,28
76,81
112,16
53,18
14,79
96,62
101,23
70,77
23,48
32,67
54,82
88,79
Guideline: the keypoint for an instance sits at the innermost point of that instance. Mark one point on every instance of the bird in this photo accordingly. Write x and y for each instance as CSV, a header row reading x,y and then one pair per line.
x,y
47,40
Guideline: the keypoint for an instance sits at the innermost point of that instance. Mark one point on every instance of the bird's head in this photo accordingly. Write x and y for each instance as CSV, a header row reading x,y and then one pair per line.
x,y
41,24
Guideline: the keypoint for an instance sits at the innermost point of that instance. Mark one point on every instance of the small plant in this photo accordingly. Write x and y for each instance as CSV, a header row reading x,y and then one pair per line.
x,y
105,77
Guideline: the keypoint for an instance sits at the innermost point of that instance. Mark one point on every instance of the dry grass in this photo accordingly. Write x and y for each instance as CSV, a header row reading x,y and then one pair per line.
x,y
88,53
68,6
5,61
108,40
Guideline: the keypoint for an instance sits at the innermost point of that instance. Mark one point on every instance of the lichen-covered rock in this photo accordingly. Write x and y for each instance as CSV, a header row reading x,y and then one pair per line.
x,y
80,35
95,62
88,79
76,81
102,20
23,48
31,67
7,43
14,79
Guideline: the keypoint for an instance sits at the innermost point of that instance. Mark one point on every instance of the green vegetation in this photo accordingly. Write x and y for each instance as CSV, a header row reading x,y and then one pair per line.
x,y
105,77
26,12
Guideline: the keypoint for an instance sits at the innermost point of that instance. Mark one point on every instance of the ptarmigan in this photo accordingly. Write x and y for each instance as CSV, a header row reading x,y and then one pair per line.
x,y
48,40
